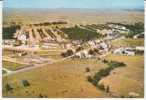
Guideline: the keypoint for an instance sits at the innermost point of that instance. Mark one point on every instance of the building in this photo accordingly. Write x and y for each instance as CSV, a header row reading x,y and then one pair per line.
x,y
141,35
125,51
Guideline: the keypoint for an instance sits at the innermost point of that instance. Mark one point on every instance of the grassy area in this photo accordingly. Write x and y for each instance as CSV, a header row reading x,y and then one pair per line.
x,y
104,73
128,42
50,54
63,79
12,66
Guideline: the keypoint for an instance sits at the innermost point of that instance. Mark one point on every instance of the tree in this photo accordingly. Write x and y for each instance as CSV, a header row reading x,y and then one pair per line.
x,y
91,52
89,78
107,89
79,49
87,69
69,52
105,61
101,87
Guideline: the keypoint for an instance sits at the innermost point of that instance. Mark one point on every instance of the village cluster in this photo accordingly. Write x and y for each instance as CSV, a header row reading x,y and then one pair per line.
x,y
50,38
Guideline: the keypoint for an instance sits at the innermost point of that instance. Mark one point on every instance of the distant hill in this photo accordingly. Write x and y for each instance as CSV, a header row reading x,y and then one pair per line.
x,y
74,16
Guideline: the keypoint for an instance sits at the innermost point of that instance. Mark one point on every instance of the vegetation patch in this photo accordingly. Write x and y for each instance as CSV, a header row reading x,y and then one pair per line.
x,y
8,32
4,72
136,28
67,53
25,83
103,73
77,33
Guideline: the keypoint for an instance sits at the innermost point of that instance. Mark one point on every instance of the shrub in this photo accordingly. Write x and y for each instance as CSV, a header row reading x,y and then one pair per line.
x,y
67,53
25,83
116,64
101,87
8,87
79,49
91,52
40,96
63,54
105,61
96,50
87,69
107,89
89,78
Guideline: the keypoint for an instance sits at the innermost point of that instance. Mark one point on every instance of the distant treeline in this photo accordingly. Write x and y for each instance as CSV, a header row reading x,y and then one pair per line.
x,y
50,23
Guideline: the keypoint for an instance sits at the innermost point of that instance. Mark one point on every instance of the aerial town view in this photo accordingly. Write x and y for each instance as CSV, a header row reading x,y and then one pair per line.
x,y
73,49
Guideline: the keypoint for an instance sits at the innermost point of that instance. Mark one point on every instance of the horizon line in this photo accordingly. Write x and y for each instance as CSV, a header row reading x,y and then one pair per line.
x,y
76,8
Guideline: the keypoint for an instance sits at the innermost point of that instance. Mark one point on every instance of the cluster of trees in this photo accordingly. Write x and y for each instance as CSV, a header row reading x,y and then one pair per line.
x,y
99,26
103,73
93,51
8,32
67,53
79,49
50,23
77,33
9,87
136,28
89,27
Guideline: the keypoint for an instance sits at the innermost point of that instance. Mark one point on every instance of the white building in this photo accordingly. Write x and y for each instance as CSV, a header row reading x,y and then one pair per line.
x,y
125,51
140,48
22,38
83,54
104,46
139,36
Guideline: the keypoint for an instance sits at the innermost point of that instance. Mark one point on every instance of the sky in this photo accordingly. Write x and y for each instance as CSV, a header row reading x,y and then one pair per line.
x,y
91,4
